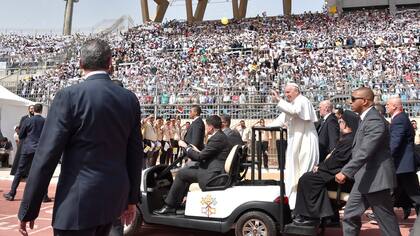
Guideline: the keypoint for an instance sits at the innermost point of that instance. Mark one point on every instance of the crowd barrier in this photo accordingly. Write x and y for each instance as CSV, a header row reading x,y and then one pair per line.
x,y
256,106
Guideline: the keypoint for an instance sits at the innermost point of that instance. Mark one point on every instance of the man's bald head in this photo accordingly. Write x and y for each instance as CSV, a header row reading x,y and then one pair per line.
x,y
394,105
325,107
396,101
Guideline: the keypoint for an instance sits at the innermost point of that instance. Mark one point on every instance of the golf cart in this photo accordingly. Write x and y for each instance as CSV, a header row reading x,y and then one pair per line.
x,y
250,206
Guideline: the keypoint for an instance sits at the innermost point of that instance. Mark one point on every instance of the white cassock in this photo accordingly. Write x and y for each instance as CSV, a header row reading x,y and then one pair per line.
x,y
302,152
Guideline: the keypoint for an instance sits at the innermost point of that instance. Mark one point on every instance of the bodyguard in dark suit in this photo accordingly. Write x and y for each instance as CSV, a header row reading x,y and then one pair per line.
x,y
312,201
233,135
195,134
328,131
96,126
211,163
371,167
30,132
402,150
19,146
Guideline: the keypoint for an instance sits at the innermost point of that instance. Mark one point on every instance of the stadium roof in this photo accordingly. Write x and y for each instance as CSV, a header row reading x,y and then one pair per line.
x,y
239,8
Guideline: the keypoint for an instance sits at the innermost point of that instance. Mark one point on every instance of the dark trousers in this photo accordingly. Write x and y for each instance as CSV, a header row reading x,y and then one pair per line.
x,y
15,164
262,148
163,159
408,190
183,179
25,162
4,158
381,204
101,230
151,156
173,155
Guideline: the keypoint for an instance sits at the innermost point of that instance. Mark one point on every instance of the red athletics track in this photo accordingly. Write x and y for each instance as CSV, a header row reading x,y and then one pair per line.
x,y
9,223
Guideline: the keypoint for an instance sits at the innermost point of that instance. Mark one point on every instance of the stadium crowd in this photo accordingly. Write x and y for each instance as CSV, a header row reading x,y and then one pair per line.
x,y
19,50
241,62
321,56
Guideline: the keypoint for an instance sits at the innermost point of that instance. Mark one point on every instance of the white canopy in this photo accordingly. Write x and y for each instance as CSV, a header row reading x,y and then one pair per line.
x,y
10,98
12,108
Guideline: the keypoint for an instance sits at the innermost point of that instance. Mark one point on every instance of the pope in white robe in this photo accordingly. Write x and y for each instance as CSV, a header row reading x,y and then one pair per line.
x,y
302,154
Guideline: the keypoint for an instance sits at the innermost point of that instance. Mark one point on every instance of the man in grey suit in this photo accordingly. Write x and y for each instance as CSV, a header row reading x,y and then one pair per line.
x,y
233,135
371,167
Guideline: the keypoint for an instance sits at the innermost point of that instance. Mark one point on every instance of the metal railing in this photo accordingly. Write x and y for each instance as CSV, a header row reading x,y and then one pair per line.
x,y
236,111
16,74
255,106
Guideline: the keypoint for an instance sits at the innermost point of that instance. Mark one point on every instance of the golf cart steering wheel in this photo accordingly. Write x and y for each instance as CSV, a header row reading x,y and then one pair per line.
x,y
181,155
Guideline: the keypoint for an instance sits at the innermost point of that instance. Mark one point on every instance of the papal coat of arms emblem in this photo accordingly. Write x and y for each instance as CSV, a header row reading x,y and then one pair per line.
x,y
208,205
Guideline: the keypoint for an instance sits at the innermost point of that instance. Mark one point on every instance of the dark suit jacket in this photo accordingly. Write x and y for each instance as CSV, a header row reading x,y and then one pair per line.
x,y
195,134
328,135
23,118
96,126
339,157
18,149
212,158
402,143
371,164
233,136
29,133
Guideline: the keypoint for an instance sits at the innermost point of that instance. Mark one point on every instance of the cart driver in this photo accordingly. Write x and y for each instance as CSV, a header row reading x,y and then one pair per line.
x,y
211,161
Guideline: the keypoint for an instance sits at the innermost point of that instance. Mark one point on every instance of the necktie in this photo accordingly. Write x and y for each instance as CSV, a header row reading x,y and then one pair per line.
x,y
321,124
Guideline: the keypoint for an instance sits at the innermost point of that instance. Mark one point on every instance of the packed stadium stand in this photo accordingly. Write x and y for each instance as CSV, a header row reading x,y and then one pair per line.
x,y
232,68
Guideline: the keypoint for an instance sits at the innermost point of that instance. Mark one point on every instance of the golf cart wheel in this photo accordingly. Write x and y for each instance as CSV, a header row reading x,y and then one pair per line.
x,y
135,227
255,223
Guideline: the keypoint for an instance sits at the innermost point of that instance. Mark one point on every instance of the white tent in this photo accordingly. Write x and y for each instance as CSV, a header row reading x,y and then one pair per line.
x,y
12,108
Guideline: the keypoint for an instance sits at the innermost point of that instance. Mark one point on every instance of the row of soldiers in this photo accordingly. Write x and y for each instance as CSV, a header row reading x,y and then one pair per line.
x,y
161,136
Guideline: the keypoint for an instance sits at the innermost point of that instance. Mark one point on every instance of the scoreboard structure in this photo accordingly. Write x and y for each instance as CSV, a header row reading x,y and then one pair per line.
x,y
239,8
338,6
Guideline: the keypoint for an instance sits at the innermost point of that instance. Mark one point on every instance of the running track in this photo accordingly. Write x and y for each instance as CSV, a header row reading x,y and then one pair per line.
x,y
9,223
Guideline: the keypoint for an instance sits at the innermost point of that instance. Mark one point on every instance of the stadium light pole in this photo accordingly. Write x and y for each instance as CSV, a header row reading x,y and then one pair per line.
x,y
287,7
68,16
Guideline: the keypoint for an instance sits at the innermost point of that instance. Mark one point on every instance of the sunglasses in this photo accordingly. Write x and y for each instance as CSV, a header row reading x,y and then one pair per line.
x,y
355,98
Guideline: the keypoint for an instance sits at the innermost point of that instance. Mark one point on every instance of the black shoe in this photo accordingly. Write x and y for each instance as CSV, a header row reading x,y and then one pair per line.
x,y
165,210
8,197
46,199
299,218
312,222
372,218
407,212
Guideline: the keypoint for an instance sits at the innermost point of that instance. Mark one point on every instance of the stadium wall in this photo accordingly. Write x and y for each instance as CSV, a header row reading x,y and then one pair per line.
x,y
368,3
371,3
406,2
